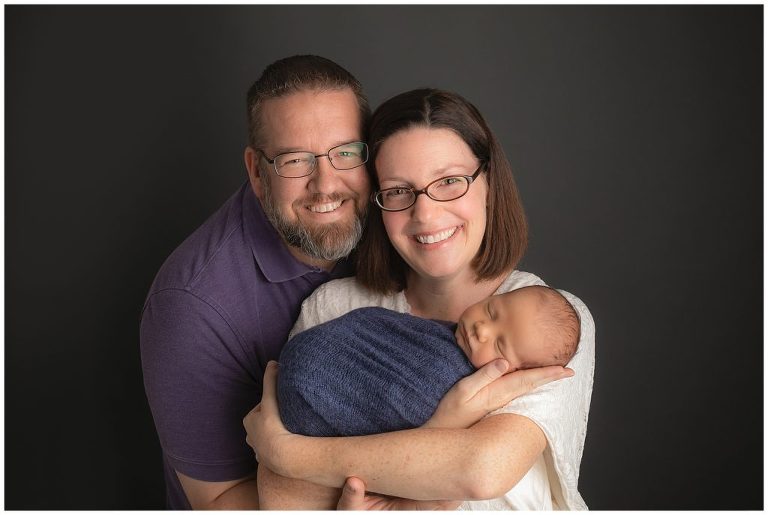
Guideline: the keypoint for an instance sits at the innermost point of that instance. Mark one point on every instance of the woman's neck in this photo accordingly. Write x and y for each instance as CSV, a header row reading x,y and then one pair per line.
x,y
446,299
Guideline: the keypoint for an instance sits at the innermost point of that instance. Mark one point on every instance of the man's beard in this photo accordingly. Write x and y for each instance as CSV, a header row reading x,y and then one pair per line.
x,y
329,242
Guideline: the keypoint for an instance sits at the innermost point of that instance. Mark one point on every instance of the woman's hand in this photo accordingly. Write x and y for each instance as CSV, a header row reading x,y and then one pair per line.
x,y
266,433
489,389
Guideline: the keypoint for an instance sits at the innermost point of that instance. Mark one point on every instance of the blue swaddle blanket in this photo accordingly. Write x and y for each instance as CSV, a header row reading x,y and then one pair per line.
x,y
370,371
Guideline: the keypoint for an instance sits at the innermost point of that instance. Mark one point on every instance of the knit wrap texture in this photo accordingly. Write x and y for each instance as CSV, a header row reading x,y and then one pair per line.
x,y
370,371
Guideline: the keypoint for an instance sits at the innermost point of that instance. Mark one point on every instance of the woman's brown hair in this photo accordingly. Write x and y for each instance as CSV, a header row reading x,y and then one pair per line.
x,y
379,266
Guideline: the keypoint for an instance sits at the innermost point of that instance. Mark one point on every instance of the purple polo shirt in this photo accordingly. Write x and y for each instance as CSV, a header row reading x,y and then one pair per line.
x,y
220,308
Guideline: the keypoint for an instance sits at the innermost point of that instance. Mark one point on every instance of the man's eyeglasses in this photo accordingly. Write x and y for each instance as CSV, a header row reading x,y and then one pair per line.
x,y
443,189
300,164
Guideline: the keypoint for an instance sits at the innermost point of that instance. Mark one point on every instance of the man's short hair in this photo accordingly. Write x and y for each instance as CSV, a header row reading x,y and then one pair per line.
x,y
300,73
380,267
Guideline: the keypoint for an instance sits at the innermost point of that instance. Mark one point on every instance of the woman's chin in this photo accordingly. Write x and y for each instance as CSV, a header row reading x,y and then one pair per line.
x,y
439,271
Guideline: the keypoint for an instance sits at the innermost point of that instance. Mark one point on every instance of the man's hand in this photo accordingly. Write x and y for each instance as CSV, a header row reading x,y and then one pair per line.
x,y
265,431
354,497
489,389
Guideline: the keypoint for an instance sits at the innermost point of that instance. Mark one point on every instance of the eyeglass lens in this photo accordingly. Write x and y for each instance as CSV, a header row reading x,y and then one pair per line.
x,y
343,157
443,189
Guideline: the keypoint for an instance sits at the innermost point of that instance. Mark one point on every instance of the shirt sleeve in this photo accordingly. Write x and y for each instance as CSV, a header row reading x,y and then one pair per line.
x,y
561,409
198,385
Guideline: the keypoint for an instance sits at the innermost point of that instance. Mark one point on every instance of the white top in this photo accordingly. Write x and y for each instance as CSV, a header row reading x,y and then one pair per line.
x,y
559,408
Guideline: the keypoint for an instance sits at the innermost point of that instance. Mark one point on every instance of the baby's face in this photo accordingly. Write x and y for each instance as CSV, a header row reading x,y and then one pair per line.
x,y
501,326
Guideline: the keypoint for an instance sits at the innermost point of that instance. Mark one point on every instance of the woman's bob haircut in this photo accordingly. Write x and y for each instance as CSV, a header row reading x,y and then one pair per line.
x,y
379,266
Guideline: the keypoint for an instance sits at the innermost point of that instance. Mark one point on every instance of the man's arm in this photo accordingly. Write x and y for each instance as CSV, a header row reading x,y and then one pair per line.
x,y
240,494
197,387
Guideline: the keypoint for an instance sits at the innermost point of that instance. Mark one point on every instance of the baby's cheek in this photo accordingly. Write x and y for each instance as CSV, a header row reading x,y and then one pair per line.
x,y
481,357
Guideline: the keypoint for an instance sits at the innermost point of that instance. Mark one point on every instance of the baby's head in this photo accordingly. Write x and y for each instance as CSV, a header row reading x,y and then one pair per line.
x,y
530,327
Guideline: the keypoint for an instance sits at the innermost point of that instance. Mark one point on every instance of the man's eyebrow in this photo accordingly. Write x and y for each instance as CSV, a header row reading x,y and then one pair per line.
x,y
288,150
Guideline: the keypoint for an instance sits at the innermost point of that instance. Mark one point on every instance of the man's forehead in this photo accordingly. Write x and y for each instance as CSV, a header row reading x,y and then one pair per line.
x,y
310,117
294,104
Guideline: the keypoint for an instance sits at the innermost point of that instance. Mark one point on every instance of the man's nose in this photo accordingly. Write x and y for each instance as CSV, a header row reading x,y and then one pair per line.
x,y
325,177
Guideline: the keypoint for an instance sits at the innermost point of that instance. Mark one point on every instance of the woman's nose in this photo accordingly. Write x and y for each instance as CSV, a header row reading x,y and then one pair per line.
x,y
423,209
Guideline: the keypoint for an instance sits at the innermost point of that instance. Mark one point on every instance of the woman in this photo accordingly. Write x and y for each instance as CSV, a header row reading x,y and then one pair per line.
x,y
449,231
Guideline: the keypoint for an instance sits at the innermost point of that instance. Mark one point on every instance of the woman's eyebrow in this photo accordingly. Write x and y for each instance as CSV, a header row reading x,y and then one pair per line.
x,y
448,170
451,169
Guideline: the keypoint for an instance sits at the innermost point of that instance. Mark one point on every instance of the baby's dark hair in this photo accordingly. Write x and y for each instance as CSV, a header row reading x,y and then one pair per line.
x,y
558,324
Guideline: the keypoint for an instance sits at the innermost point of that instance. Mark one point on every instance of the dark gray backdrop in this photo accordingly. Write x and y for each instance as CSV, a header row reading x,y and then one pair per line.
x,y
635,133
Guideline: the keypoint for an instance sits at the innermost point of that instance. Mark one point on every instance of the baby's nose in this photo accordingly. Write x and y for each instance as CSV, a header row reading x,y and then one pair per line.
x,y
481,330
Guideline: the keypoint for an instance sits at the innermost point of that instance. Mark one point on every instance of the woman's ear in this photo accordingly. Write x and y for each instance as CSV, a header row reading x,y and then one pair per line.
x,y
251,157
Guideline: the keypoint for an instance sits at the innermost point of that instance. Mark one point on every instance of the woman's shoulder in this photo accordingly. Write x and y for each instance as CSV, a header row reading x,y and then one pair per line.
x,y
338,287
346,294
519,279
340,296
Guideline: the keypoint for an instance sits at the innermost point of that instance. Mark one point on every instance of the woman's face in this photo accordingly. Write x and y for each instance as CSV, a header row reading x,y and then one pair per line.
x,y
438,240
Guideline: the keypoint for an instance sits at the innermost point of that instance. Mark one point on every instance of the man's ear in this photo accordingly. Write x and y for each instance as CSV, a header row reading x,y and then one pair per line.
x,y
252,164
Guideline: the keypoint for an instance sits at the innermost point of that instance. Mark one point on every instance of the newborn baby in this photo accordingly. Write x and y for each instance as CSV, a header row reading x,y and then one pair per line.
x,y
374,370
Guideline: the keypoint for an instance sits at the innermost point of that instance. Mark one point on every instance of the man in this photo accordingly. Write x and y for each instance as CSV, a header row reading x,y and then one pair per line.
x,y
223,303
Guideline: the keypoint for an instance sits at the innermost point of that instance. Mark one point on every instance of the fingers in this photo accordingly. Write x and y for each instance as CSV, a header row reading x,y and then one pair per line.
x,y
520,382
495,369
352,495
540,376
269,391
247,420
483,377
448,505
268,401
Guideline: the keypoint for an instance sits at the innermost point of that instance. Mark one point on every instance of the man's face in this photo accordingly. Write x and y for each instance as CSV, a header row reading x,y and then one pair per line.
x,y
321,215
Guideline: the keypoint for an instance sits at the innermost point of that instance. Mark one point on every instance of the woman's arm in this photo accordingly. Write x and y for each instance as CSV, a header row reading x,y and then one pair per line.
x,y
354,497
281,493
487,390
480,462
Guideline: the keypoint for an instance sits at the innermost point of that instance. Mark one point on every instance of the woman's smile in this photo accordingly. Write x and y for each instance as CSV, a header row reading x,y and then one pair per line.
x,y
438,239
428,239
